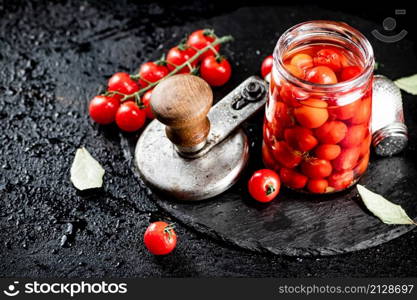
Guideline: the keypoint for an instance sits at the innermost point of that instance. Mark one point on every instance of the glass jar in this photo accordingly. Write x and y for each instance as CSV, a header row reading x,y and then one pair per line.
x,y
317,132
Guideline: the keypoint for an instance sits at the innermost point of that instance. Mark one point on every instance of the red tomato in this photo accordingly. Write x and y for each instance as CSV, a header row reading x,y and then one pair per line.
x,y
312,114
146,101
315,168
129,117
160,238
366,144
354,136
264,185
302,61
331,132
345,112
216,71
363,112
317,186
328,151
179,55
151,72
292,178
286,156
292,95
266,66
199,39
350,73
347,159
321,75
295,71
300,138
340,180
121,82
363,164
103,109
329,58
267,158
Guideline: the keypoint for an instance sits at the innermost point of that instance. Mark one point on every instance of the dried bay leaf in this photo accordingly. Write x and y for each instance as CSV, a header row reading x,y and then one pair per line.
x,y
86,172
408,84
386,211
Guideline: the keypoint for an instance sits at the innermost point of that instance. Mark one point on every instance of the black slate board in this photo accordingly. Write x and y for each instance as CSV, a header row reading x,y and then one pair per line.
x,y
297,224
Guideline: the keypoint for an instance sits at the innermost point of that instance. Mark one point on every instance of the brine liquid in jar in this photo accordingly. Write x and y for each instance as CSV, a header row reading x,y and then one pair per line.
x,y
317,119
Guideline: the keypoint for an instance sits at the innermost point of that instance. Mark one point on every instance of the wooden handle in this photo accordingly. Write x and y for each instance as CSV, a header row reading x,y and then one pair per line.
x,y
182,102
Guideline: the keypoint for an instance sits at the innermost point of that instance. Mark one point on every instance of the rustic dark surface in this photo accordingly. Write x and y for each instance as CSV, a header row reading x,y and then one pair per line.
x,y
56,56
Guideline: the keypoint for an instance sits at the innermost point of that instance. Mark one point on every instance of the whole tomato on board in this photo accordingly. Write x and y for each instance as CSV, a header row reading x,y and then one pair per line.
x,y
151,72
179,55
200,39
103,109
264,185
130,117
160,238
215,70
266,66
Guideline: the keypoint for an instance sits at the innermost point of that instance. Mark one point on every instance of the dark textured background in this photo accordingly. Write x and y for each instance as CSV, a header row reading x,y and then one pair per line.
x,y
53,58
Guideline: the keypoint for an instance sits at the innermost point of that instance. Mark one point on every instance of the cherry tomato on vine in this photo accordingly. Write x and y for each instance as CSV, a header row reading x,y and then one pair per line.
x,y
216,71
160,238
103,109
266,66
179,55
151,72
321,75
121,82
264,185
199,39
129,117
146,101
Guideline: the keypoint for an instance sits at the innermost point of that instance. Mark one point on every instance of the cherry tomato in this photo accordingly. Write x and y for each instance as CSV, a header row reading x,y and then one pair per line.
x,y
345,112
328,151
300,138
267,158
321,75
121,82
347,159
366,144
264,185
340,180
302,61
199,39
266,66
146,101
178,55
329,58
295,71
216,71
363,164
103,109
151,72
350,72
292,178
286,156
331,132
363,112
312,114
160,238
129,117
315,168
317,186
354,136
292,95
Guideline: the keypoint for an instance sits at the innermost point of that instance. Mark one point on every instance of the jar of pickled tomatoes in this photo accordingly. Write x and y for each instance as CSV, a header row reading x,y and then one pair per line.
x,y
317,119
